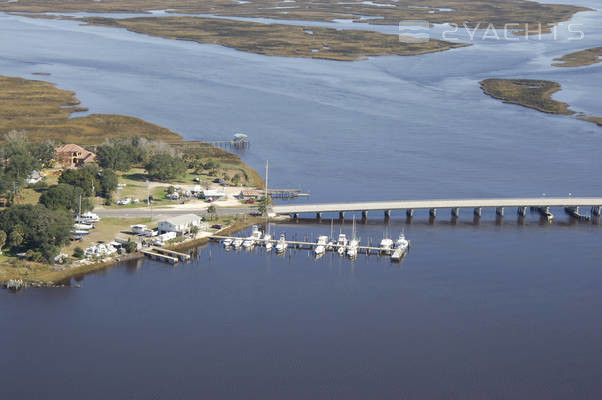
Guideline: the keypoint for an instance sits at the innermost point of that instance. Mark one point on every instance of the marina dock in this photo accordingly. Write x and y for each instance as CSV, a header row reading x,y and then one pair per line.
x,y
304,245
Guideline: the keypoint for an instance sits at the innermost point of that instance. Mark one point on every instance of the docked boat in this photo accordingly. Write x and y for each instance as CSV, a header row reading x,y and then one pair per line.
x,y
401,248
281,245
321,245
227,242
386,245
342,243
352,247
237,243
253,238
267,239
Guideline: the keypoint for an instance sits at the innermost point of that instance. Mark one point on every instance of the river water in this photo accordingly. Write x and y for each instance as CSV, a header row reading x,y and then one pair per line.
x,y
477,310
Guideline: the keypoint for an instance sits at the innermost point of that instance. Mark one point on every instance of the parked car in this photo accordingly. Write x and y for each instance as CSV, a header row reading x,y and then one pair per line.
x,y
216,226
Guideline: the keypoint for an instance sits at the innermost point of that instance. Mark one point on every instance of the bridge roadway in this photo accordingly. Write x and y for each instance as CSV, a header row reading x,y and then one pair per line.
x,y
433,205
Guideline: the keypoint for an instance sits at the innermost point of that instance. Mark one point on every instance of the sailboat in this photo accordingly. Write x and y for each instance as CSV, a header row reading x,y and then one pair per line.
x,y
281,245
321,245
267,237
386,244
352,247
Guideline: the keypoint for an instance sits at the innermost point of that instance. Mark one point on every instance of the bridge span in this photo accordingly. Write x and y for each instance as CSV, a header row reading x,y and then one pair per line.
x,y
542,204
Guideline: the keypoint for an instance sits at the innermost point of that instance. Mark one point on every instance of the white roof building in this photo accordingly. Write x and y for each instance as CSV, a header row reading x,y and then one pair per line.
x,y
180,224
213,194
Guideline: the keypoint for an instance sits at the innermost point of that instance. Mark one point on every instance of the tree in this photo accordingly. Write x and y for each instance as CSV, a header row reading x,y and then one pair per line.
x,y
36,228
19,159
194,230
78,252
236,179
108,181
66,197
116,155
165,167
85,178
131,246
2,240
16,237
211,210
263,204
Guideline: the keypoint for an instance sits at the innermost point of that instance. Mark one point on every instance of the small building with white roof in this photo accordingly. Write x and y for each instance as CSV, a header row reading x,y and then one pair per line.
x,y
181,224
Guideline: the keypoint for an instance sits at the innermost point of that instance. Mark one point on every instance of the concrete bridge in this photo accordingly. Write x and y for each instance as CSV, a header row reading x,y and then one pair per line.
x,y
542,204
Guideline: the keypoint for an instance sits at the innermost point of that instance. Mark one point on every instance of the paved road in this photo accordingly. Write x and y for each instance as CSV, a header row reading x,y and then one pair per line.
x,y
145,212
428,204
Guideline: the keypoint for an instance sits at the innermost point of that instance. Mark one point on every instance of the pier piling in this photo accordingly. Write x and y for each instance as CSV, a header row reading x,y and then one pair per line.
x,y
478,211
499,211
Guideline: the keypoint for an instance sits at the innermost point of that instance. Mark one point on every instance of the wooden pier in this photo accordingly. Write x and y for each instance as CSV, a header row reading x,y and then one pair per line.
x,y
160,257
171,253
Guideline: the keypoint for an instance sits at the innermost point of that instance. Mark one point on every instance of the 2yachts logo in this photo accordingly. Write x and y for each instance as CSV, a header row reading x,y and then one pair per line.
x,y
419,31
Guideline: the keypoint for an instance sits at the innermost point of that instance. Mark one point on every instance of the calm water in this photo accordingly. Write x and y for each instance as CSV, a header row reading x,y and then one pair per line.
x,y
475,311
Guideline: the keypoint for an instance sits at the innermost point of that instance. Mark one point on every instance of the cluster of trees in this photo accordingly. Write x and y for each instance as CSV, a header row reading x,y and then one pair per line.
x,y
38,231
19,158
93,180
165,167
160,161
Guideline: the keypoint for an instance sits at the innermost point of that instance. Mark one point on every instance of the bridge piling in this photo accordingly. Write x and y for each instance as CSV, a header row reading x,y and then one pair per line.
x,y
387,214
318,216
499,211
596,210
433,212
455,212
410,212
364,216
522,211
341,215
478,211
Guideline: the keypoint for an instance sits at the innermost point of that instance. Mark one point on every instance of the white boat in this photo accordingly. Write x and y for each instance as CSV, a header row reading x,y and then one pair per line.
x,y
401,248
87,218
281,245
227,242
352,247
237,243
253,239
267,239
83,227
79,232
386,245
321,245
342,243
353,243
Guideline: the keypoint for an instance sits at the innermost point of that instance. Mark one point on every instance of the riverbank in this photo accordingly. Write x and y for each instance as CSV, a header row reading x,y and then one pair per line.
x,y
38,275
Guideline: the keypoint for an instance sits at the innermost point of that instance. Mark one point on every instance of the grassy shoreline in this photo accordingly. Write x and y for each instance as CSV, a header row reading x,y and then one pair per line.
x,y
580,58
384,12
534,94
58,277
